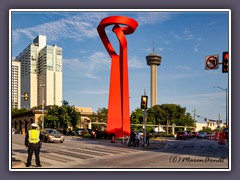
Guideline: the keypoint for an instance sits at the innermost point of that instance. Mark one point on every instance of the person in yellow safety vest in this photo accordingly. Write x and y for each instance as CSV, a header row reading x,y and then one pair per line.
x,y
33,143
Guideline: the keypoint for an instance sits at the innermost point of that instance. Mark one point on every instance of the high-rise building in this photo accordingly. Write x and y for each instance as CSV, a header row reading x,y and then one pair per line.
x,y
41,73
50,75
16,84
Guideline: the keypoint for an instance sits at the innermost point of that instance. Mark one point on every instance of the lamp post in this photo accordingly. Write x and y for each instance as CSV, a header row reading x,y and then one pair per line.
x,y
226,90
42,85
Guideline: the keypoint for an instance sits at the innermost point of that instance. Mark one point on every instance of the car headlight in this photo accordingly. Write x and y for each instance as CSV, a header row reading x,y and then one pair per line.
x,y
51,136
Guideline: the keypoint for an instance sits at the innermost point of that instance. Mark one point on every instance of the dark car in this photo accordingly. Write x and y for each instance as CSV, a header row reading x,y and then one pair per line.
x,y
80,131
52,135
182,135
91,132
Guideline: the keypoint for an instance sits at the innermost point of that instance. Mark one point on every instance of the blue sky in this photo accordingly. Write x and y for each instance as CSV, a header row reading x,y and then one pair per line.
x,y
183,39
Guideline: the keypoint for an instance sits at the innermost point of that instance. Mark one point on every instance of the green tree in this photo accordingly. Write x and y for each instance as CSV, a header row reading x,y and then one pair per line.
x,y
51,121
93,117
62,117
102,114
74,116
135,116
206,129
65,103
16,111
159,114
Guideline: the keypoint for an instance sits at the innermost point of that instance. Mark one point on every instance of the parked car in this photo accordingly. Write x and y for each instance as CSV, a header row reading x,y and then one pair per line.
x,y
91,132
79,131
182,135
193,134
202,135
210,135
52,135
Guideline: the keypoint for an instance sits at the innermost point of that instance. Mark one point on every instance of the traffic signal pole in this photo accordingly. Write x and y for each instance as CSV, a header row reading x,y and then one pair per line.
x,y
144,126
144,100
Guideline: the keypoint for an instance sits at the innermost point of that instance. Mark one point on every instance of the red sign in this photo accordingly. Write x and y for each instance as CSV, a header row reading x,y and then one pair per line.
x,y
211,62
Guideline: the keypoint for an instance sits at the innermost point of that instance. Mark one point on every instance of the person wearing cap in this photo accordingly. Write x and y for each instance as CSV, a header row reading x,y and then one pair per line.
x,y
33,143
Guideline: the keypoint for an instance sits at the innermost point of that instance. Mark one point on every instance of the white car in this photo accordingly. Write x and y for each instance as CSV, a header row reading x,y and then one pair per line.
x,y
202,135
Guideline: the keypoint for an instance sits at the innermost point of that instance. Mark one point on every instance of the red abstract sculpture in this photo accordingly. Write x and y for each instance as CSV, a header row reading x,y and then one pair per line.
x,y
118,120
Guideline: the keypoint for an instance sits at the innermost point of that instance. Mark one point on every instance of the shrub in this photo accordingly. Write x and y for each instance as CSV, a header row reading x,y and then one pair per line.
x,y
86,135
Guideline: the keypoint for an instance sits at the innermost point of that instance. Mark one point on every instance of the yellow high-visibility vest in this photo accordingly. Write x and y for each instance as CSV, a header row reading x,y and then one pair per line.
x,y
33,136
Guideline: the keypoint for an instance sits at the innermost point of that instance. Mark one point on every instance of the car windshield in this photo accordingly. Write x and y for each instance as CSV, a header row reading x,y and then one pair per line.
x,y
53,131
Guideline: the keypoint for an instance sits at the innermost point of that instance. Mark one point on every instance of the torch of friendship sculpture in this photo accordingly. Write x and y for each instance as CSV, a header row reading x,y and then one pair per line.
x,y
118,119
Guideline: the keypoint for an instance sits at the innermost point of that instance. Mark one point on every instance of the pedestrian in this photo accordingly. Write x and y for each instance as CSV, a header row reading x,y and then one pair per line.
x,y
147,138
132,140
33,143
138,136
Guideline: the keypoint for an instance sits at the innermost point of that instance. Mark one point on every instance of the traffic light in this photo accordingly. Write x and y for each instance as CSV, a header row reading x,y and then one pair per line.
x,y
225,62
25,96
144,102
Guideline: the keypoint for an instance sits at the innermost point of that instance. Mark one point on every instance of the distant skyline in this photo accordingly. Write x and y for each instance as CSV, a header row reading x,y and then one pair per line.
x,y
183,39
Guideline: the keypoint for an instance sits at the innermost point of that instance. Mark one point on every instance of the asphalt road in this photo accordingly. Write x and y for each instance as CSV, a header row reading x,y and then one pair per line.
x,y
79,153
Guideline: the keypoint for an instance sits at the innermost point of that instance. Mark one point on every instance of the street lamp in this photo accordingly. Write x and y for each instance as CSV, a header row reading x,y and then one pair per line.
x,y
42,85
226,90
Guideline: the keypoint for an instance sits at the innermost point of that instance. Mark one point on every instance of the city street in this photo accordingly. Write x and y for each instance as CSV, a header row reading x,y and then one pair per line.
x,y
79,153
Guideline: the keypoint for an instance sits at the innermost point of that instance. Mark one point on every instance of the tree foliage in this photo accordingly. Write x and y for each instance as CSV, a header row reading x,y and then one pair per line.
x,y
62,117
136,116
16,111
159,114
100,116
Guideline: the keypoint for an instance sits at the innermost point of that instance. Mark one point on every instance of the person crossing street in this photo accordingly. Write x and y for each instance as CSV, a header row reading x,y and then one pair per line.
x,y
33,143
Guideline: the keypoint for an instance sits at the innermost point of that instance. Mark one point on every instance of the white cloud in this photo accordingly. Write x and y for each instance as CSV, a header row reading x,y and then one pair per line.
x,y
186,35
153,17
195,99
183,67
160,49
135,62
181,76
89,66
196,49
211,23
204,95
77,27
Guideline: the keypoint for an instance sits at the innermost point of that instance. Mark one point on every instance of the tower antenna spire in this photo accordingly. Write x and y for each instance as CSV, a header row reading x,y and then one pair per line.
x,y
153,46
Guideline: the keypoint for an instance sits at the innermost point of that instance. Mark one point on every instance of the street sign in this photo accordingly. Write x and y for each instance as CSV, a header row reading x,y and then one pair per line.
x,y
211,62
144,114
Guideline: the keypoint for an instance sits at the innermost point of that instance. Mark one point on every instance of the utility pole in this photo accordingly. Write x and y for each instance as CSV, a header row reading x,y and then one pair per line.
x,y
194,115
219,122
226,90
167,123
